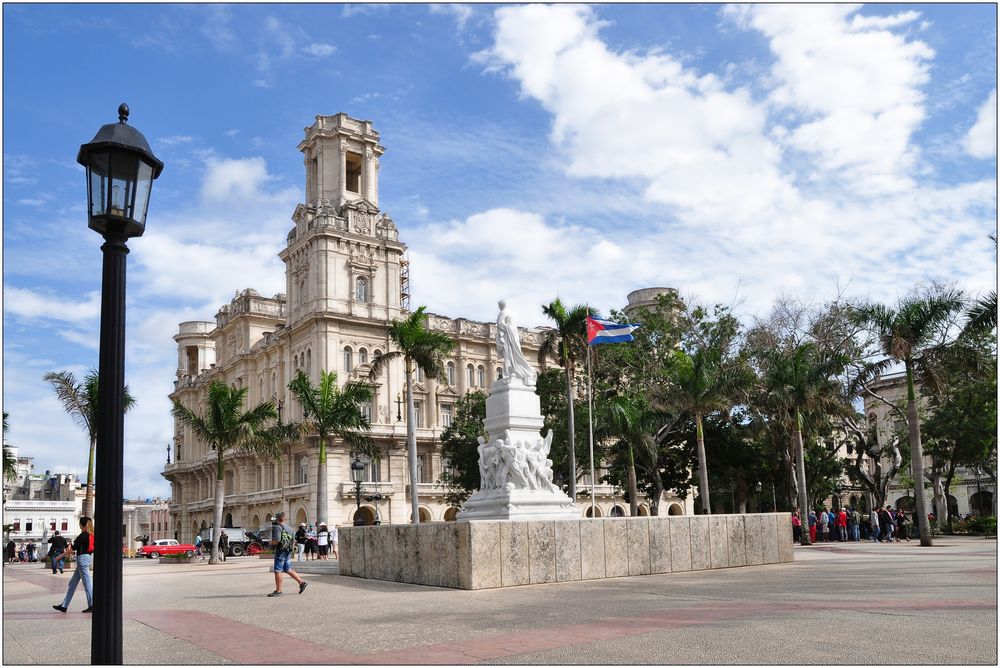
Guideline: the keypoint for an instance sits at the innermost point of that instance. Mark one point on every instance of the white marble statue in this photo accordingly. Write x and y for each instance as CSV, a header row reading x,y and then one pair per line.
x,y
509,348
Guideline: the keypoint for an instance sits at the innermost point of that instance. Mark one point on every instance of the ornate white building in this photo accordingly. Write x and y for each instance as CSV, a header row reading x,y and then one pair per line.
x,y
346,281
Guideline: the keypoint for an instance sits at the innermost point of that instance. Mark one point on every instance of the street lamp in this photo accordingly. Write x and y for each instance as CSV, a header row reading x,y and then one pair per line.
x,y
357,473
120,173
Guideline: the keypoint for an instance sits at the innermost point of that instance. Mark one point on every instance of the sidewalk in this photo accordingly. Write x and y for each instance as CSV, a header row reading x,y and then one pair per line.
x,y
916,605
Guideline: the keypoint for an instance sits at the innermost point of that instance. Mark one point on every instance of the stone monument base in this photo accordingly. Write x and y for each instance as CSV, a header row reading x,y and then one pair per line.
x,y
488,554
518,504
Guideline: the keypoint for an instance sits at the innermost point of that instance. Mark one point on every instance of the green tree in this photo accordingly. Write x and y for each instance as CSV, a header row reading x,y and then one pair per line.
x,y
800,388
910,334
80,401
225,426
565,343
9,462
420,348
330,411
632,424
460,448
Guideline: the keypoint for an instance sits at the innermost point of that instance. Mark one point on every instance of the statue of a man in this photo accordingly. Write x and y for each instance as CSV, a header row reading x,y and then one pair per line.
x,y
509,348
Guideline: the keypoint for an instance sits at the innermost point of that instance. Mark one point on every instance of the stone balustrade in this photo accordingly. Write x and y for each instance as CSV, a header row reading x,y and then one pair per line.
x,y
488,554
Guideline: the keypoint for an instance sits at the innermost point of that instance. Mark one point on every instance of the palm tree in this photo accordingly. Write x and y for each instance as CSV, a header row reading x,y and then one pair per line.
x,y
419,348
225,426
905,334
564,342
702,382
9,462
633,423
80,401
982,314
331,411
800,383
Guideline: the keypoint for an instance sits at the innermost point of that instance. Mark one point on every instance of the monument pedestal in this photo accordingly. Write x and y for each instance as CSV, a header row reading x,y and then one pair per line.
x,y
518,504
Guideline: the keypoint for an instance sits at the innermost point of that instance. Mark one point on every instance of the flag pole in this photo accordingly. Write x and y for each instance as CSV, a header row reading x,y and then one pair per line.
x,y
590,419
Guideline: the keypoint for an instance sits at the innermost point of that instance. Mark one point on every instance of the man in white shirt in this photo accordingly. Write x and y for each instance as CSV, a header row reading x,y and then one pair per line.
x,y
323,541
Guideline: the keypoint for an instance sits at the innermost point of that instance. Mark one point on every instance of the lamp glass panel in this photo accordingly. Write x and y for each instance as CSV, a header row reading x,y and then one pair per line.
x,y
97,168
357,472
143,184
124,167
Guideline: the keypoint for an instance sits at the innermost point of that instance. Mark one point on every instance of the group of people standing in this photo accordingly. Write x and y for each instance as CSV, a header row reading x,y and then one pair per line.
x,y
20,552
882,524
316,543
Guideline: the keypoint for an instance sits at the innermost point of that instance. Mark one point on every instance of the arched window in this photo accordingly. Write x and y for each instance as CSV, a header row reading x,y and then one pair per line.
x,y
309,361
361,290
377,353
362,356
617,511
295,360
348,358
420,375
451,373
229,520
481,376
470,373
303,473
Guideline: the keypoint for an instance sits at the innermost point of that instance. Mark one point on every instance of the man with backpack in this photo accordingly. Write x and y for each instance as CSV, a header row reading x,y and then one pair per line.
x,y
283,541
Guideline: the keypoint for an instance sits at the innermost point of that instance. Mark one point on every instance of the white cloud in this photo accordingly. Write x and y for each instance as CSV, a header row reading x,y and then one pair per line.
x,y
320,50
31,305
461,13
855,85
981,140
363,9
177,139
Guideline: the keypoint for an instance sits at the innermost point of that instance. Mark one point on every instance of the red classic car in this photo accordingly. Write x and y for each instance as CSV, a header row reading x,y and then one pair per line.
x,y
166,546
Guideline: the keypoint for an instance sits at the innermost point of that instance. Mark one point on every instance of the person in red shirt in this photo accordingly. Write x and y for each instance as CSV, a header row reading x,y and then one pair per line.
x,y
842,525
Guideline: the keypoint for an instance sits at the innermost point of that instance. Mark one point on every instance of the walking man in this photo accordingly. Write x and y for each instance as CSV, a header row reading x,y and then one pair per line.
x,y
57,545
283,542
300,542
223,545
873,523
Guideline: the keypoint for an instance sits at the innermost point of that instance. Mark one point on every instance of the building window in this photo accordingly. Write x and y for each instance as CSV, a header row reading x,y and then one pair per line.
x,y
17,525
377,353
52,525
481,376
353,170
309,361
295,361
361,290
470,373
424,468
28,524
499,373
302,476
445,415
418,413
348,359
451,373
65,525
362,356
420,375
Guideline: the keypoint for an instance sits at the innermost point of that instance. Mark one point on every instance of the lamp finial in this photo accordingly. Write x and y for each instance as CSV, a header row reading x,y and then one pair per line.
x,y
122,112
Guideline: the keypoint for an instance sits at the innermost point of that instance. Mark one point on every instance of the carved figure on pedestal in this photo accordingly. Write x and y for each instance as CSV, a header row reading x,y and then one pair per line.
x,y
509,348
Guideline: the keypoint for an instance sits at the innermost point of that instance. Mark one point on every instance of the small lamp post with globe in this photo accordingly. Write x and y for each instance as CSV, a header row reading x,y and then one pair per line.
x,y
120,173
357,475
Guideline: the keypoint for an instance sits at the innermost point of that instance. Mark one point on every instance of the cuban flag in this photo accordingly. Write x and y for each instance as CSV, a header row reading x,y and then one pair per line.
x,y
604,331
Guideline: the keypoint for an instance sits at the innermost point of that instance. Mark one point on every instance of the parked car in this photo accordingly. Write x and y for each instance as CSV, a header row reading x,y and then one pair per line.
x,y
166,546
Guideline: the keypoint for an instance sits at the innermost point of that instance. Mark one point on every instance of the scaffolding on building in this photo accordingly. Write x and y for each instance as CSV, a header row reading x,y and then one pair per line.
x,y
404,282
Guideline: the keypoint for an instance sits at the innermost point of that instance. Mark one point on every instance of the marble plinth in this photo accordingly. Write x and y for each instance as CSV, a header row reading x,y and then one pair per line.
x,y
495,553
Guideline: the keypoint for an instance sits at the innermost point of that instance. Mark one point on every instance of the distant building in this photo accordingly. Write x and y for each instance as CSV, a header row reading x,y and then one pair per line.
x,y
347,279
148,518
38,504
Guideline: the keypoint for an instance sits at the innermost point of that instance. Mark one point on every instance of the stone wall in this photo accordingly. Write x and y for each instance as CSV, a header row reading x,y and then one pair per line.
x,y
488,554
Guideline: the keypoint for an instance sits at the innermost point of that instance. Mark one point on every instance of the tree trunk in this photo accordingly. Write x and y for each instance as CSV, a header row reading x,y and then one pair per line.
x,y
916,459
220,496
88,501
800,457
321,490
411,445
572,433
706,509
633,486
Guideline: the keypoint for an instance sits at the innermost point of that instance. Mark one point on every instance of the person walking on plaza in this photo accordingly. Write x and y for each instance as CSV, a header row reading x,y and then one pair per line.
x,y
223,545
333,542
310,544
283,554
57,545
884,526
832,523
83,547
855,524
902,525
300,542
796,526
824,525
842,526
31,551
11,551
812,526
323,541
873,523
197,546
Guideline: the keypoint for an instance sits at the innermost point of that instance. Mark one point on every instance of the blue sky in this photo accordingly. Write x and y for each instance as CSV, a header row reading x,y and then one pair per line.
x,y
733,152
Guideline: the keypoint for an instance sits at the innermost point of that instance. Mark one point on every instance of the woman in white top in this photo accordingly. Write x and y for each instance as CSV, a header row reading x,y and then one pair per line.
x,y
333,543
323,541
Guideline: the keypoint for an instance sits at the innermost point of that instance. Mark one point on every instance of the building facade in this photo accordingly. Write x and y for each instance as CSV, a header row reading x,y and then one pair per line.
x,y
38,504
346,281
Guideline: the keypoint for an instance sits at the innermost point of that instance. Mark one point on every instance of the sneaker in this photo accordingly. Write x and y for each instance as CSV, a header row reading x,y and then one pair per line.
x,y
60,571
273,594
59,608
90,609
302,587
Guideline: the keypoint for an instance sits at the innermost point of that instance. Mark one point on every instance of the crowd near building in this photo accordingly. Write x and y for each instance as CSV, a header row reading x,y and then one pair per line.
x,y
346,277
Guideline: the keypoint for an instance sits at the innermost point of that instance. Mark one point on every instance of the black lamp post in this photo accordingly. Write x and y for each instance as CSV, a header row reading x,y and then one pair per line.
x,y
357,474
120,173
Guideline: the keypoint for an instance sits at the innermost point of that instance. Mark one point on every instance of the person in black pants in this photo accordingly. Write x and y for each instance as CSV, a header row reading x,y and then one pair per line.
x,y
83,547
57,545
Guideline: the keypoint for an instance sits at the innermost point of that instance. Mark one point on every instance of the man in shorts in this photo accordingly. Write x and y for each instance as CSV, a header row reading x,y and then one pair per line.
x,y
282,558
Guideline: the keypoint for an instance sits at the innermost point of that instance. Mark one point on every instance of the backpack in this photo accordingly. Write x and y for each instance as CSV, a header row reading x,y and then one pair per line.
x,y
286,541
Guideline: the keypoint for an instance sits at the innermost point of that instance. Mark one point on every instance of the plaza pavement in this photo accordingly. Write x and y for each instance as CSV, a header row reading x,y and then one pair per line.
x,y
838,603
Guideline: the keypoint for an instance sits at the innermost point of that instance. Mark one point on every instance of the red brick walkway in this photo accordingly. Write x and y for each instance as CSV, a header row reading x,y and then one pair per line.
x,y
248,644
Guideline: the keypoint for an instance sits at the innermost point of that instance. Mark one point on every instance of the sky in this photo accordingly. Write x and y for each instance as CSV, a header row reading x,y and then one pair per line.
x,y
735,153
